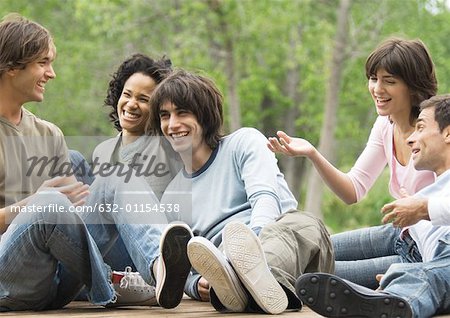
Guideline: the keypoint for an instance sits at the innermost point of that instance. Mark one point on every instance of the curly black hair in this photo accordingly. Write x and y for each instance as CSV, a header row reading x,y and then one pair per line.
x,y
137,63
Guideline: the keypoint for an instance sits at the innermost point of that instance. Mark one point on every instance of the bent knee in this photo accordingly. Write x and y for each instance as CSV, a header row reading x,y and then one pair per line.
x,y
48,207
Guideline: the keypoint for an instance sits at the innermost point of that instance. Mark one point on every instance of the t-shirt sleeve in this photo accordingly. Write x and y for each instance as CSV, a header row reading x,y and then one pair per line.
x,y
439,210
372,160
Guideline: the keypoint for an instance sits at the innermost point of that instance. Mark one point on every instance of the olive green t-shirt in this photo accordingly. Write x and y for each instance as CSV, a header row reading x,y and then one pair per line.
x,y
30,153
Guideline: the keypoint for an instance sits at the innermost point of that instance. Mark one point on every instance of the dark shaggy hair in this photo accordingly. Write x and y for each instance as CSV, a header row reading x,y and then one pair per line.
x,y
441,110
194,93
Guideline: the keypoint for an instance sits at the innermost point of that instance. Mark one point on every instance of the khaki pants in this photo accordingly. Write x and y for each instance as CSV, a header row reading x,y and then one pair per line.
x,y
296,243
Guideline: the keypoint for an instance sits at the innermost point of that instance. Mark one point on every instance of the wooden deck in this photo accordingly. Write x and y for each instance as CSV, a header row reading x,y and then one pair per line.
x,y
187,309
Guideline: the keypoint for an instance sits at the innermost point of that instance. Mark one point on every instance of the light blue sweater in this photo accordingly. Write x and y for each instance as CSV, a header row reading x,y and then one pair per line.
x,y
240,181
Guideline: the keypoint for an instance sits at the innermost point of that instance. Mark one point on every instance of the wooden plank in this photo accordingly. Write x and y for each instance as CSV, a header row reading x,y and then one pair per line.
x,y
187,309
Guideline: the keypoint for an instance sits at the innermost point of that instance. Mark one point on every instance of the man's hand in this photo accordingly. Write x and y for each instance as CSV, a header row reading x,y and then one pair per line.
x,y
406,211
76,192
203,289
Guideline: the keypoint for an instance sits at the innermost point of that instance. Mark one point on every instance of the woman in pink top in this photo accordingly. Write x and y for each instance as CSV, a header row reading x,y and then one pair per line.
x,y
400,75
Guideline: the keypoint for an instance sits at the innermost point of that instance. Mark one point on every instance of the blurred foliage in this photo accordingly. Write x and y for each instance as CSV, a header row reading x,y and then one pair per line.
x,y
266,39
341,217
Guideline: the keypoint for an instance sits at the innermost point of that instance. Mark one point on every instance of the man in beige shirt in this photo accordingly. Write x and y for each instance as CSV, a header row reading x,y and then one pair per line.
x,y
35,245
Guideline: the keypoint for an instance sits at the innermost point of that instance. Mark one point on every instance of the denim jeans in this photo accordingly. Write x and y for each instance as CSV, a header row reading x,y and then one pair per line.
x,y
117,256
81,167
129,218
425,286
45,257
362,254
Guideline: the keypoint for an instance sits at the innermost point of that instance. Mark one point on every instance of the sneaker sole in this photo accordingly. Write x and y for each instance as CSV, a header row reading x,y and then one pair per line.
x,y
149,302
209,262
243,249
174,254
331,296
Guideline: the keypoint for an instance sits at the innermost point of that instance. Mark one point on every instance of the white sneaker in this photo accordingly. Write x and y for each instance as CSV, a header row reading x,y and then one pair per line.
x,y
244,251
208,261
132,290
173,265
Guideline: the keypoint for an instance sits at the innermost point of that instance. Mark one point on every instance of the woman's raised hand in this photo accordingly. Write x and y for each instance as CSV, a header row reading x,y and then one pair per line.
x,y
290,146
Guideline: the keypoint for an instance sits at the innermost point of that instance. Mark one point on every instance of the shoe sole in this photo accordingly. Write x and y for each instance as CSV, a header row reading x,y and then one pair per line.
x,y
149,302
243,249
331,296
209,262
173,277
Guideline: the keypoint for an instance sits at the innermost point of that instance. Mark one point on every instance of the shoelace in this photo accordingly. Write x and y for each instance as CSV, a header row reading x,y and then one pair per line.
x,y
132,280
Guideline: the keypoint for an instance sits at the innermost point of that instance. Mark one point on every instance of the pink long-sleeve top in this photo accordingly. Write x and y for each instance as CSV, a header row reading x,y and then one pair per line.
x,y
379,151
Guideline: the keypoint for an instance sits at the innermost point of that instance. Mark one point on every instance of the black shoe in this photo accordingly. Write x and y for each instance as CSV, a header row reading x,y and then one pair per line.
x,y
173,265
331,296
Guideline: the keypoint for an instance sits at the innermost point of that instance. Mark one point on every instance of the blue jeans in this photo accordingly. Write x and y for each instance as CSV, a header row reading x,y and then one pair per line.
x,y
45,257
425,286
139,231
81,167
362,254
117,256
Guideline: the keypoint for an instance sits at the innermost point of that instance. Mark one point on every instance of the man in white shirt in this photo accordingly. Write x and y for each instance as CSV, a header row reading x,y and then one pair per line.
x,y
417,287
